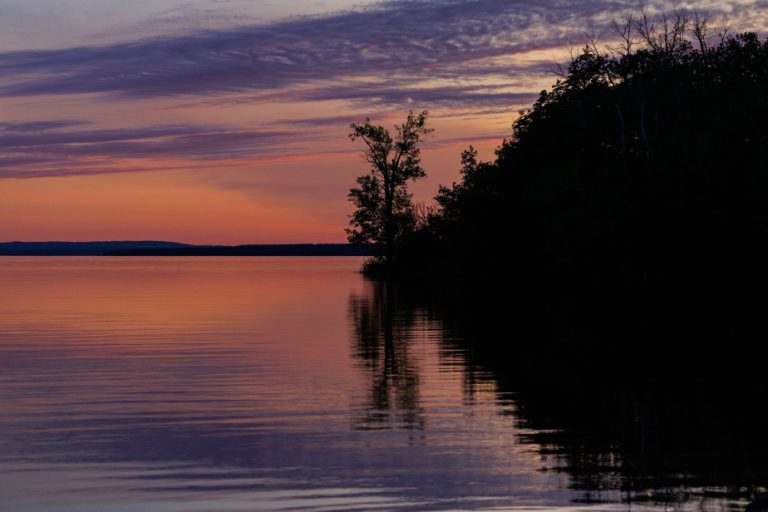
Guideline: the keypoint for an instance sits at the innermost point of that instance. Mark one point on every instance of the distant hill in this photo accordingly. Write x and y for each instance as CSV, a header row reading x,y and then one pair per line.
x,y
79,248
159,248
250,250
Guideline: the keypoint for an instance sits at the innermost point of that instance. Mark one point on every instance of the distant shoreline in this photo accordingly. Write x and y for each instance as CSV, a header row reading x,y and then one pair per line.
x,y
155,248
252,250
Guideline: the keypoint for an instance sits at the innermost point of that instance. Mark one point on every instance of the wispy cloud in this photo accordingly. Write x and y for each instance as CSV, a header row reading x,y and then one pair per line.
x,y
56,153
406,38
39,126
456,96
469,55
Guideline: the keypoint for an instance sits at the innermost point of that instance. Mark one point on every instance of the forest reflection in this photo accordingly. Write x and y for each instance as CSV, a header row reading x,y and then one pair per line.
x,y
383,329
680,422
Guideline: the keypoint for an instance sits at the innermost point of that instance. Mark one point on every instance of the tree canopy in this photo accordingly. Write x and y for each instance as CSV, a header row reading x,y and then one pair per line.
x,y
639,161
384,210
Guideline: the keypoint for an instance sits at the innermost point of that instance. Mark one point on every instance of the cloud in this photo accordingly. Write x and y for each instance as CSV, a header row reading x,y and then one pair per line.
x,y
452,55
313,122
457,96
25,139
412,41
55,153
407,38
38,126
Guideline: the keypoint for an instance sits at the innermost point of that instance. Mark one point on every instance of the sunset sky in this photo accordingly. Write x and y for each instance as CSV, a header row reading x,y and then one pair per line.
x,y
226,121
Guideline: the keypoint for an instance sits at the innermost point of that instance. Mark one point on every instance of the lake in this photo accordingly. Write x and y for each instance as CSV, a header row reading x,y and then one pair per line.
x,y
245,384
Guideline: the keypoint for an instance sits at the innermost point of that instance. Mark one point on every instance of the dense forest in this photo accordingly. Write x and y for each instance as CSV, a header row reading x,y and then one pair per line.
x,y
643,163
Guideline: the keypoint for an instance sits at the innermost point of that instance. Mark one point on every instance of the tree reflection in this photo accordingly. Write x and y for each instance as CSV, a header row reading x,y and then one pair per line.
x,y
382,339
672,422
659,445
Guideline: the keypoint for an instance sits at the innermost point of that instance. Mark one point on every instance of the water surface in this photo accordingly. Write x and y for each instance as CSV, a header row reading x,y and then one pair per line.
x,y
244,384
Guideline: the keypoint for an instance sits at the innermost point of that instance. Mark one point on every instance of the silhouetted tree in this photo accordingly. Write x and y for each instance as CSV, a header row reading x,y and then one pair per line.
x,y
384,209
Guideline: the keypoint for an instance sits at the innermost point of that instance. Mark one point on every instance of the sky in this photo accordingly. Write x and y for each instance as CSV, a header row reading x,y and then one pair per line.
x,y
226,121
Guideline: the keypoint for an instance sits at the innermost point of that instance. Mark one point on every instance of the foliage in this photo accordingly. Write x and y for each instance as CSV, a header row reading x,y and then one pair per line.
x,y
640,161
385,212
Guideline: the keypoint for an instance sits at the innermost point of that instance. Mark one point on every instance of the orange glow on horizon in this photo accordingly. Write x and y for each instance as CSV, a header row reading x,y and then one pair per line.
x,y
276,199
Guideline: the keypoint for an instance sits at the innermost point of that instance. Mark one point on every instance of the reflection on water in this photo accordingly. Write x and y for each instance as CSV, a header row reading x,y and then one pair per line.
x,y
383,345
206,384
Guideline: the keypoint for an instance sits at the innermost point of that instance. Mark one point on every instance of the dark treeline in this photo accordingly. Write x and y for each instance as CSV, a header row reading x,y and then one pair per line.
x,y
248,250
81,248
645,163
158,248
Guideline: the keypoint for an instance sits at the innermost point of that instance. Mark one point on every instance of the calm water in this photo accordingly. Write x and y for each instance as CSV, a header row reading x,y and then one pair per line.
x,y
244,384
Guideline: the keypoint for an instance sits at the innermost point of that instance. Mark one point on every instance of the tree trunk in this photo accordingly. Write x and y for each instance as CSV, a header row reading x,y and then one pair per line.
x,y
389,221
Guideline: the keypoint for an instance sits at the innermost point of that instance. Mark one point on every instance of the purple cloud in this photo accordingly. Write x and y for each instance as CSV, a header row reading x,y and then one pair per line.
x,y
38,126
411,39
53,153
447,54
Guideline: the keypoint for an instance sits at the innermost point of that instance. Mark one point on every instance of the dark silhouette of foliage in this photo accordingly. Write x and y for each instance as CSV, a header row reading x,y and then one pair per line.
x,y
644,162
384,208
